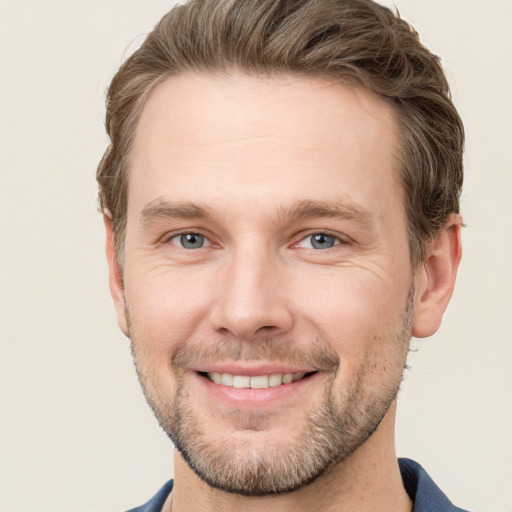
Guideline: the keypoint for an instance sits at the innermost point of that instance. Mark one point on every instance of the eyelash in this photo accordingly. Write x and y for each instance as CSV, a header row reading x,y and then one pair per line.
x,y
338,239
169,239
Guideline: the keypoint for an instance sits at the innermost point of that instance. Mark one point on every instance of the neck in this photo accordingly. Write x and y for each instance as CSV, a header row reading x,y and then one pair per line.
x,y
368,480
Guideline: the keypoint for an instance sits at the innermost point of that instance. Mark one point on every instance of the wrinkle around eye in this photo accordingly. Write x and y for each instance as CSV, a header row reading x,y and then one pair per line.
x,y
161,256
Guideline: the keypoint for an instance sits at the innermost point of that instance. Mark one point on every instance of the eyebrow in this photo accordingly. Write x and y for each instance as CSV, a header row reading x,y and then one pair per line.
x,y
339,209
162,209
304,209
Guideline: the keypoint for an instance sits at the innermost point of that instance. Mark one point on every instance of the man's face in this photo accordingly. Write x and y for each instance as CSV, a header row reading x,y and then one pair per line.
x,y
267,279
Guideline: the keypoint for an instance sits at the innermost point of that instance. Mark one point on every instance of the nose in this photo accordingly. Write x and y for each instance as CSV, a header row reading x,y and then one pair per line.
x,y
251,301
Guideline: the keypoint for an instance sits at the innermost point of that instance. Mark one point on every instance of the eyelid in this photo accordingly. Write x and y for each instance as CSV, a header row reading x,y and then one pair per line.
x,y
340,239
166,239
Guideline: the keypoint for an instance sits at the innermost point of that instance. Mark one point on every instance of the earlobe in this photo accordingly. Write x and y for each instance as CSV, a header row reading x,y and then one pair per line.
x,y
436,279
115,275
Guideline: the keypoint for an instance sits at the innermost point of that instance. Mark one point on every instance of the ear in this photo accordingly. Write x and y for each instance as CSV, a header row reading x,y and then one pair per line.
x,y
436,278
115,275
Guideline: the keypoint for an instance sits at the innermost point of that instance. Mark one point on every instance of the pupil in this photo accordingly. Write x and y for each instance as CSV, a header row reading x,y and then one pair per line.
x,y
321,241
191,241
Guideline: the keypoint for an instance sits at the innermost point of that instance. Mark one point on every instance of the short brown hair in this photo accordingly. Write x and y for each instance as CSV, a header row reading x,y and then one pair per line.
x,y
354,42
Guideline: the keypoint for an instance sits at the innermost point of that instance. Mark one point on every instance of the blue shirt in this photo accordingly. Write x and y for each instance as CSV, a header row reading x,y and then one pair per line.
x,y
424,493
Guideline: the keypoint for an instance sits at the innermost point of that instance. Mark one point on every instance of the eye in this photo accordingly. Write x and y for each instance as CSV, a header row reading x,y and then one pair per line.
x,y
190,241
319,241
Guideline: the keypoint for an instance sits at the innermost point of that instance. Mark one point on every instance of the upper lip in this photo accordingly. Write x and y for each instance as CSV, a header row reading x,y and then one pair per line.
x,y
252,370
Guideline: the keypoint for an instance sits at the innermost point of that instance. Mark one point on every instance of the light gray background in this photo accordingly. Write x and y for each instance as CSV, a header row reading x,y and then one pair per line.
x,y
75,433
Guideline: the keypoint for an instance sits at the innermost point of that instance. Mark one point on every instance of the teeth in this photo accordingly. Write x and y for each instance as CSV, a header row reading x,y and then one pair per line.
x,y
241,381
226,379
287,378
275,380
259,382
255,382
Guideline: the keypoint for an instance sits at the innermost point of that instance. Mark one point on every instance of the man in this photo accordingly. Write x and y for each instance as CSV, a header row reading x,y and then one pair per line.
x,y
281,204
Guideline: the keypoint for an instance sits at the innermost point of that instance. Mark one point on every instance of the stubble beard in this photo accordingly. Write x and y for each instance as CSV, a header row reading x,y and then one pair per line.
x,y
341,423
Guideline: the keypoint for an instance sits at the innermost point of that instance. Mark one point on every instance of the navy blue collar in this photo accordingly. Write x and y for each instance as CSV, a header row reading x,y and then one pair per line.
x,y
156,503
424,493
422,490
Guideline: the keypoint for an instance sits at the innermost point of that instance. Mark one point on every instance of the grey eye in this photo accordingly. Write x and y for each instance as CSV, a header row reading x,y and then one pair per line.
x,y
323,241
189,241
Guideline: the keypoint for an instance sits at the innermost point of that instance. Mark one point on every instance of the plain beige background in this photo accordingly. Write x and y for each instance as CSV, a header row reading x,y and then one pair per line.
x,y
75,433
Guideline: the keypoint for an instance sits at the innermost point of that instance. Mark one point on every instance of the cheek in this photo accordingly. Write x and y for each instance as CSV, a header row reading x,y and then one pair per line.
x,y
362,320
165,308
344,302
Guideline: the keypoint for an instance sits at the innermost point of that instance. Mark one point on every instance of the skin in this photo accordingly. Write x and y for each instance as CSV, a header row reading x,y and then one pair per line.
x,y
248,151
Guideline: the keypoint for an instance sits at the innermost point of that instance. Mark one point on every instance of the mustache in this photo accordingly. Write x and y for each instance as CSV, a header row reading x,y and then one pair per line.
x,y
272,350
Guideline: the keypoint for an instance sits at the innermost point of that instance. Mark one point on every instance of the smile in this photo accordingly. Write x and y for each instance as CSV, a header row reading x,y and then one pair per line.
x,y
255,381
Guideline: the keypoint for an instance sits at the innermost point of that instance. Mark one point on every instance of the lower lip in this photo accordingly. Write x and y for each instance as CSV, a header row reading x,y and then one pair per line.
x,y
248,397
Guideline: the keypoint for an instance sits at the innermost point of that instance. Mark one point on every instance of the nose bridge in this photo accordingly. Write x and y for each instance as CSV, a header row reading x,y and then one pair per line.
x,y
251,302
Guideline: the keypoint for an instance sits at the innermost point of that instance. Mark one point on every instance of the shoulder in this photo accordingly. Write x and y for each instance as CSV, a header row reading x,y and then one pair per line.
x,y
156,503
425,494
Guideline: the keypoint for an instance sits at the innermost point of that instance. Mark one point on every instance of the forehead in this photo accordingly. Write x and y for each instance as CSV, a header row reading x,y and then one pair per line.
x,y
276,138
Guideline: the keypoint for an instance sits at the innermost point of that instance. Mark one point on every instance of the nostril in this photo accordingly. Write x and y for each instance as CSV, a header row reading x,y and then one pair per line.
x,y
266,328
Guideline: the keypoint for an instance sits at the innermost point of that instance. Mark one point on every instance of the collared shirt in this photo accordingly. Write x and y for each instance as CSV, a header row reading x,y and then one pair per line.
x,y
424,493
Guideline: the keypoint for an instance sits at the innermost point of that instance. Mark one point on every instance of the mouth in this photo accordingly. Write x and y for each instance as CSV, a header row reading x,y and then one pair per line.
x,y
255,381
